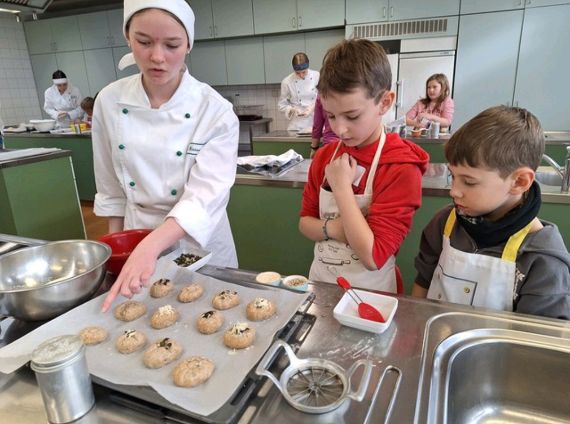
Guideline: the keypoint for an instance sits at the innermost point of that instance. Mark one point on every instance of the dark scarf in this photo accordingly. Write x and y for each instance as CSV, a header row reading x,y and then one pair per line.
x,y
492,233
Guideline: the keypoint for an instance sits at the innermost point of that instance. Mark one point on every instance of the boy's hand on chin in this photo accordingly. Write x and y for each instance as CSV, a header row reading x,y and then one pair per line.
x,y
341,171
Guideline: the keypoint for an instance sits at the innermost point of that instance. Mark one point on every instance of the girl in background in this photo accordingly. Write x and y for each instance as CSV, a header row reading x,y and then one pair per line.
x,y
437,106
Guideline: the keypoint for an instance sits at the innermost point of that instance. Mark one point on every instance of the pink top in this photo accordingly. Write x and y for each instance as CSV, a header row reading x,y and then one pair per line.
x,y
445,109
321,126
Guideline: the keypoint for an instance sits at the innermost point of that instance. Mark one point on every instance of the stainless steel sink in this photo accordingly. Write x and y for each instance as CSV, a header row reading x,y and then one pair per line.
x,y
549,178
486,369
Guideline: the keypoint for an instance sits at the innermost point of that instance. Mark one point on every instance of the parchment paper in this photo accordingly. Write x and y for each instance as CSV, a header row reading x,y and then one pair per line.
x,y
232,366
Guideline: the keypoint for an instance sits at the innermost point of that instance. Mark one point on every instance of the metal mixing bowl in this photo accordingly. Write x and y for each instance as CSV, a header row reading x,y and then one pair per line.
x,y
42,282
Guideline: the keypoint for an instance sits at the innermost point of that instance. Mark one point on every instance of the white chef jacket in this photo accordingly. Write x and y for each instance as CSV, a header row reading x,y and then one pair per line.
x,y
175,161
299,93
69,101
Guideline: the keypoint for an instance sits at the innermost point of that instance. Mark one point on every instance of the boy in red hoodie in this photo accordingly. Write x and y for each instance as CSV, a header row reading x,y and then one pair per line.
x,y
363,189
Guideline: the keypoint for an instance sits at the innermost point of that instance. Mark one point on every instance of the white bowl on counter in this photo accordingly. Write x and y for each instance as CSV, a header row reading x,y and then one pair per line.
x,y
43,125
346,311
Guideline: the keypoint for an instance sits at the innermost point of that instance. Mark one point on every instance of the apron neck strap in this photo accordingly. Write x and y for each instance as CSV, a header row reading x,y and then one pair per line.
x,y
511,249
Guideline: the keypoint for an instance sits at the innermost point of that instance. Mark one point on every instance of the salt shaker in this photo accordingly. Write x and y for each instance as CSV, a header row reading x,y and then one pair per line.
x,y
434,128
63,378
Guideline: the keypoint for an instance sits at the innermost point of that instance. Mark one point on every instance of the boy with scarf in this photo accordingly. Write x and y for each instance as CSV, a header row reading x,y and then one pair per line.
x,y
489,249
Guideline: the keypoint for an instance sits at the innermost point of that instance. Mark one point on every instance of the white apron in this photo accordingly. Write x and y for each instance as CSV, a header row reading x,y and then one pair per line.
x,y
475,279
333,258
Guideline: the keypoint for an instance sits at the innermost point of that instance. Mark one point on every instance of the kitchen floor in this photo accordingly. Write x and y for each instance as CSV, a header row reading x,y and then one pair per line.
x,y
94,225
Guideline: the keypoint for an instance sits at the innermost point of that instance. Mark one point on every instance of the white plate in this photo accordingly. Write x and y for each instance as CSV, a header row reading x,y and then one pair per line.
x,y
195,251
346,311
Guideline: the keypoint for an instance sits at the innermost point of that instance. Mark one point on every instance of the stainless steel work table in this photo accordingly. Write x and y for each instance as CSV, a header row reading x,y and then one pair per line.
x,y
435,182
400,346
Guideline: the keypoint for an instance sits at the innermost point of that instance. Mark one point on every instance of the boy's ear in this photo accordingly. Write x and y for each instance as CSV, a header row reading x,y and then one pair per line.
x,y
386,101
522,180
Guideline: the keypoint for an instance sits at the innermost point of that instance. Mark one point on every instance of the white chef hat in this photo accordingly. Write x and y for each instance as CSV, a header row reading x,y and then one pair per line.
x,y
179,8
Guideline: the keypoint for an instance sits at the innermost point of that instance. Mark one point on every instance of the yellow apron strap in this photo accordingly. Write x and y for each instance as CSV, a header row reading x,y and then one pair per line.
x,y
512,247
449,224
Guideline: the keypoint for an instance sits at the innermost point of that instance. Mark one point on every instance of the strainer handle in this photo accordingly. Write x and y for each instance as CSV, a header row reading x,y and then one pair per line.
x,y
262,368
358,395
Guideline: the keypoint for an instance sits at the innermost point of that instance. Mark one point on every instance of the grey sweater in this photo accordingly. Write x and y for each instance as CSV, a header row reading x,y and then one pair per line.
x,y
542,285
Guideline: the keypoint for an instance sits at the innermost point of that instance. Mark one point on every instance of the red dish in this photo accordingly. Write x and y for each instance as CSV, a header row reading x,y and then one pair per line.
x,y
122,244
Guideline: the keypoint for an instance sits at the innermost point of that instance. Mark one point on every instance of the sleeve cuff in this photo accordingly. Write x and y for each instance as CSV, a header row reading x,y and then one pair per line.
x,y
194,220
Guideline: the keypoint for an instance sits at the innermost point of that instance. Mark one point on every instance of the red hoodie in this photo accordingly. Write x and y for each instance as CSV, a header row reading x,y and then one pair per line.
x,y
396,194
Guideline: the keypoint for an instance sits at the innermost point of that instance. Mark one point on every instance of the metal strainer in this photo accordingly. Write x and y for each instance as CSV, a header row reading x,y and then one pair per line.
x,y
315,386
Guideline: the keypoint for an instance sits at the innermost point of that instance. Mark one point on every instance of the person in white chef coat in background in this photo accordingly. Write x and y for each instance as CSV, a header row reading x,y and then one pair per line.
x,y
62,101
165,147
299,93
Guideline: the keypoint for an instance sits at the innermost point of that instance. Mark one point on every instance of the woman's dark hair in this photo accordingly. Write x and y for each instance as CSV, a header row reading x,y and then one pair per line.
x,y
58,75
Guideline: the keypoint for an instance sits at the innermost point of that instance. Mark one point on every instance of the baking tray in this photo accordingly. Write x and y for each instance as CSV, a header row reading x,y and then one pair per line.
x,y
107,364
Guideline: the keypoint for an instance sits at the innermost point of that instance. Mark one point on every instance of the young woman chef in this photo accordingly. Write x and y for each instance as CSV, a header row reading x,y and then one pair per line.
x,y
62,100
164,145
298,94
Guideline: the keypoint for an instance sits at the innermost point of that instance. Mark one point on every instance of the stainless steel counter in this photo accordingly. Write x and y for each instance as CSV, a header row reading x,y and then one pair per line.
x,y
435,182
400,346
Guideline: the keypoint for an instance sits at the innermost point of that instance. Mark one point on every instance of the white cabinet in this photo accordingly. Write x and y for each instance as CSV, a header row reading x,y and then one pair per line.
x,y
481,6
101,29
542,77
486,62
53,35
272,16
208,62
222,18
244,61
361,11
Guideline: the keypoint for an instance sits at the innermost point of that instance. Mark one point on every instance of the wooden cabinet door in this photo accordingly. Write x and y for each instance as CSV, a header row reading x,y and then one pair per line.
x,y
232,18
208,62
320,13
244,61
542,76
362,11
270,16
486,62
414,9
278,53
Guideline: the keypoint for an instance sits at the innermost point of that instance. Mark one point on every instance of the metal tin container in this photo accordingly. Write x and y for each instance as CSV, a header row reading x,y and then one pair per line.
x,y
434,128
63,378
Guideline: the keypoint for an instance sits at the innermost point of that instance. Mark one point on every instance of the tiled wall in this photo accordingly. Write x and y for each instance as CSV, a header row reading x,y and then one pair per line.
x,y
266,95
18,97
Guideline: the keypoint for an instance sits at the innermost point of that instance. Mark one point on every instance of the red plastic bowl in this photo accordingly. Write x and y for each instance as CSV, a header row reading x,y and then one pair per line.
x,y
122,244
